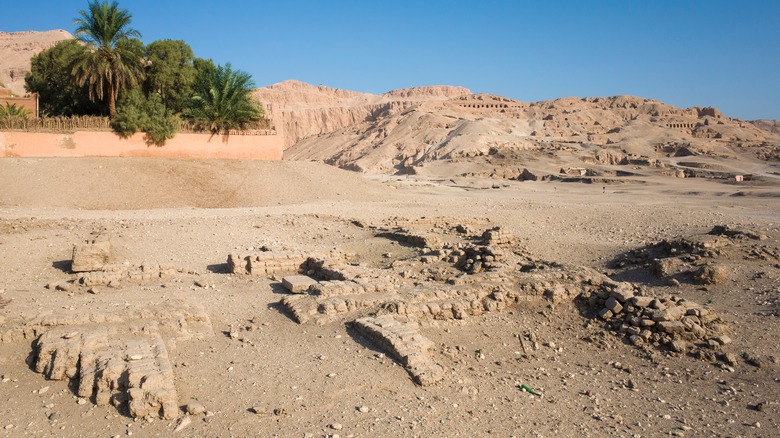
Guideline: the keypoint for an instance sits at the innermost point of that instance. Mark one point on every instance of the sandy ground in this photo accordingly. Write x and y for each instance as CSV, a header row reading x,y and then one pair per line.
x,y
282,378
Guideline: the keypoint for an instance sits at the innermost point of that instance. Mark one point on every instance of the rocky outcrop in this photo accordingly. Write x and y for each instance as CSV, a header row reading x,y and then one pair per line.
x,y
772,126
16,50
300,110
411,133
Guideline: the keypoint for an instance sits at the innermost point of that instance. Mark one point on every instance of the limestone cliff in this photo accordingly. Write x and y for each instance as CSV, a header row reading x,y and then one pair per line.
x,y
16,50
300,110
471,128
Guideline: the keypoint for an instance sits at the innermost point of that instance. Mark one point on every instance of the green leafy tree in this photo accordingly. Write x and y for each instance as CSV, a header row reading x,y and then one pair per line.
x,y
112,64
49,76
13,111
170,72
137,112
222,99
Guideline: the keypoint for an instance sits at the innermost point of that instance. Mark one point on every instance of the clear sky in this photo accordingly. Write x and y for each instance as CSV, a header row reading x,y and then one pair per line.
x,y
682,52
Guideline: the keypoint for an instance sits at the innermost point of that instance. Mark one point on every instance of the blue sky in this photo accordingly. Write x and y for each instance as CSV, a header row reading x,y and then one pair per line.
x,y
685,53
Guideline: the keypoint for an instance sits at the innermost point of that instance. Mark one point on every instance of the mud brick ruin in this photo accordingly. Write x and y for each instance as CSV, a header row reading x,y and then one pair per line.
x,y
92,262
116,358
456,273
451,270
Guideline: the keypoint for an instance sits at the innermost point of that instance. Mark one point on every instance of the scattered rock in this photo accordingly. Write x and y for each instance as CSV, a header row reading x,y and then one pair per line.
x,y
710,274
183,423
195,408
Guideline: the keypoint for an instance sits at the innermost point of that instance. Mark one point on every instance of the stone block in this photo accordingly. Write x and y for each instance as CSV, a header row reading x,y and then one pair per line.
x,y
671,327
670,314
623,294
613,305
298,284
92,256
641,301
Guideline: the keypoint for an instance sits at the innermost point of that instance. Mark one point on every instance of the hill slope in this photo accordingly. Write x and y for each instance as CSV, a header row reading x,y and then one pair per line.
x,y
493,132
16,50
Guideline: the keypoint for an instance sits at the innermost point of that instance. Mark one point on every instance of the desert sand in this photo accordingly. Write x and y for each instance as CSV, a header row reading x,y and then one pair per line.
x,y
274,376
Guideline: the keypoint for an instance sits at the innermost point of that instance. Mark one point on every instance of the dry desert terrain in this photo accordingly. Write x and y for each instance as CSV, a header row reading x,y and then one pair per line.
x,y
244,365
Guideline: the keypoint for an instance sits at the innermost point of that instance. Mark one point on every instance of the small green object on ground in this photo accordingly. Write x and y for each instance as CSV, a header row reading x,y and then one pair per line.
x,y
527,389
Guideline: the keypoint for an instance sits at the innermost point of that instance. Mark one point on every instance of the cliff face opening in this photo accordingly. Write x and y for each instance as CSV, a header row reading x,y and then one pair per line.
x,y
681,125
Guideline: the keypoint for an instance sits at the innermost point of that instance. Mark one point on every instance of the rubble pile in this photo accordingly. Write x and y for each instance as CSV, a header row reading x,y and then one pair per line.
x,y
698,259
667,322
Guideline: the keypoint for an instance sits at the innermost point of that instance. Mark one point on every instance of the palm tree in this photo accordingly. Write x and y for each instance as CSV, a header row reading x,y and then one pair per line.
x,y
222,99
114,61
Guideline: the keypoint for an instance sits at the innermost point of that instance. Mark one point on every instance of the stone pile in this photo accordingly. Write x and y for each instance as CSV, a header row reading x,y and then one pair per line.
x,y
475,259
404,343
669,322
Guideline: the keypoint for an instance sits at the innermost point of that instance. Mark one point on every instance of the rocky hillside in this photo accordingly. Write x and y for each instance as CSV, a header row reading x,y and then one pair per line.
x,y
499,132
300,110
768,125
16,50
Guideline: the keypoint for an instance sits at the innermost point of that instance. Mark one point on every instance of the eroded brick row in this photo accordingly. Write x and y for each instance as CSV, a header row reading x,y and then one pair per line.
x,y
404,343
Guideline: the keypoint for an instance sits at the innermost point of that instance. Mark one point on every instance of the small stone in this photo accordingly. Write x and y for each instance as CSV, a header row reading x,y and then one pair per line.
x,y
135,357
336,426
641,301
613,305
183,423
730,358
605,314
362,409
195,408
671,327
679,346
724,340
754,360
623,294
43,390
71,335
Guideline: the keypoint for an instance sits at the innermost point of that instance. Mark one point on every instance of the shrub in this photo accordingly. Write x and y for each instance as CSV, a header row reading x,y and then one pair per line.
x,y
139,113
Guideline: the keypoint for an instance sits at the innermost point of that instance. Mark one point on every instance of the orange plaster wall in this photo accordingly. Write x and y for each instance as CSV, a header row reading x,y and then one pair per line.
x,y
108,144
